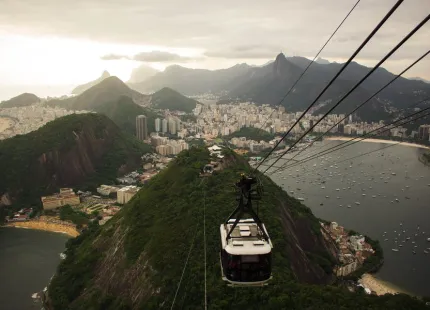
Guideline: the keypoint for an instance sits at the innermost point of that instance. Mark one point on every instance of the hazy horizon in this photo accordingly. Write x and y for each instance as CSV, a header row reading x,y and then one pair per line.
x,y
44,45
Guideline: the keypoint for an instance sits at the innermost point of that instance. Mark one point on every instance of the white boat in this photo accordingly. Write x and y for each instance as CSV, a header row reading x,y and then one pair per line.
x,y
393,173
363,194
428,239
337,189
373,196
349,206
395,250
397,200
357,203
301,199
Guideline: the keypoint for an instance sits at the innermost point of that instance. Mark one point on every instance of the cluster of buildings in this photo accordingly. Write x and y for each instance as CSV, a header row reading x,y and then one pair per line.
x,y
352,250
165,146
171,124
20,216
66,196
22,120
122,194
223,119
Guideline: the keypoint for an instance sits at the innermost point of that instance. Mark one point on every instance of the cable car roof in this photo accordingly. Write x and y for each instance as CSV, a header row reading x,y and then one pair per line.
x,y
245,239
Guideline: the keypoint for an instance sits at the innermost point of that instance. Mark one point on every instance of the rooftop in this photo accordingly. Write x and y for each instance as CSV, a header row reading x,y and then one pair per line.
x,y
246,239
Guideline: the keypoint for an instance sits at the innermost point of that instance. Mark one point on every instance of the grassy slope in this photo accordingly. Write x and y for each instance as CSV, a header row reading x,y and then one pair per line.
x,y
168,98
162,220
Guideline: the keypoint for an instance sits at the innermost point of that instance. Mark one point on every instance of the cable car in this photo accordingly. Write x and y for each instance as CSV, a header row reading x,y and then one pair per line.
x,y
246,249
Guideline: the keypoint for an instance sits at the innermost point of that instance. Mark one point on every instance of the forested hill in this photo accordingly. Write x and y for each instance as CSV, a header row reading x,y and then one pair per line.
x,y
81,150
22,100
168,98
252,133
135,260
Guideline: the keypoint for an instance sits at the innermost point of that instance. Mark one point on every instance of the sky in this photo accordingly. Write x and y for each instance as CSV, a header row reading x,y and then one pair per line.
x,y
51,45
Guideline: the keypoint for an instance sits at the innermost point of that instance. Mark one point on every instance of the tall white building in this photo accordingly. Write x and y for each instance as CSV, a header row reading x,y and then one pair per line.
x,y
172,126
164,125
157,124
141,127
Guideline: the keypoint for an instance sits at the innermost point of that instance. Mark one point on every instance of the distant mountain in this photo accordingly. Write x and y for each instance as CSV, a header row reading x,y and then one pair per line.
x,y
141,74
322,61
81,150
193,81
107,90
168,98
81,88
420,79
115,99
268,85
22,100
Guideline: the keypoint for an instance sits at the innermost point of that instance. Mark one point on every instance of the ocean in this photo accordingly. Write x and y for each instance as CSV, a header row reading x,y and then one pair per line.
x,y
383,176
28,259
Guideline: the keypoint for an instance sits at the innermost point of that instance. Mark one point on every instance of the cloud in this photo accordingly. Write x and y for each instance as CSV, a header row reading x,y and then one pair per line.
x,y
224,29
152,56
252,51
113,57
159,56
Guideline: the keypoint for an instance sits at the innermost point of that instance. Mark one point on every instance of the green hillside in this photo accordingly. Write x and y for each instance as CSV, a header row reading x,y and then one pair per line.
x,y
80,150
252,133
135,260
115,99
168,98
123,112
22,100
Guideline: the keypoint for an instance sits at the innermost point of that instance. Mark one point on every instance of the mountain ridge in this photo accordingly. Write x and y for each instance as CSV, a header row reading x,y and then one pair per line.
x,y
81,88
268,84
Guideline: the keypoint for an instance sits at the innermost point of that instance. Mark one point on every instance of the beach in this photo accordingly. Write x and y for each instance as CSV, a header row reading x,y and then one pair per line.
x,y
380,141
47,224
378,286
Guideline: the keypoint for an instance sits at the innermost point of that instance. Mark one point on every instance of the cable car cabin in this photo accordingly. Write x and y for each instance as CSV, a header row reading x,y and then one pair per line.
x,y
246,257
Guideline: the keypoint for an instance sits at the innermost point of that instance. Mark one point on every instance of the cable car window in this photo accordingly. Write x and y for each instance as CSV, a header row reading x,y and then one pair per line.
x,y
250,259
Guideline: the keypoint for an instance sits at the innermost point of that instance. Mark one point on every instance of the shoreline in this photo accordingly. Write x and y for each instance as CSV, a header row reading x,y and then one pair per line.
x,y
380,287
339,138
71,231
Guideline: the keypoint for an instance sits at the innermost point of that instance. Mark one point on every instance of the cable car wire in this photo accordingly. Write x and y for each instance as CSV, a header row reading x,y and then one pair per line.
x,y
404,40
204,244
363,137
316,154
362,104
310,64
380,24
185,266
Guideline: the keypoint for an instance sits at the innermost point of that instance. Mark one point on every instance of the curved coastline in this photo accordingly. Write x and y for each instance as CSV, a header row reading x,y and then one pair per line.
x,y
340,138
68,229
380,287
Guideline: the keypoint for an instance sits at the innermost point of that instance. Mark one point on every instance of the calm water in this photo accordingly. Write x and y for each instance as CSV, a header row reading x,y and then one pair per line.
x,y
377,215
28,259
